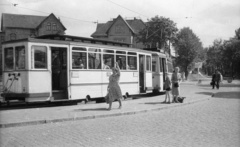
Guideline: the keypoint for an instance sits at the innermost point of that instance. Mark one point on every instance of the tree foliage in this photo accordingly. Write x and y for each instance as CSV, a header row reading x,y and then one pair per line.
x,y
158,31
225,56
188,47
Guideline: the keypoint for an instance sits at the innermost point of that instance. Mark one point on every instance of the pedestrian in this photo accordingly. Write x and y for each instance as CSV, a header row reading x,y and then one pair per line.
x,y
183,76
176,79
167,85
216,79
114,91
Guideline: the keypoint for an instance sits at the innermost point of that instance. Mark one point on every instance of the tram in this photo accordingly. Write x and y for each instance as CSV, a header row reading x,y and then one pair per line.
x,y
64,68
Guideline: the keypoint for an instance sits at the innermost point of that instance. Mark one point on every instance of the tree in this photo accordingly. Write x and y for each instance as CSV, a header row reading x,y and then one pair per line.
x,y
188,46
158,31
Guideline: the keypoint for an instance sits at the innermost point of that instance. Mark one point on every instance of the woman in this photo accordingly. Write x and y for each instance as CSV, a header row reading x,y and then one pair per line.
x,y
114,91
176,78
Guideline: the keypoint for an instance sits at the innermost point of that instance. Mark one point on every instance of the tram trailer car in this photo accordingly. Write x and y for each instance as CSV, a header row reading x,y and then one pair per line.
x,y
63,68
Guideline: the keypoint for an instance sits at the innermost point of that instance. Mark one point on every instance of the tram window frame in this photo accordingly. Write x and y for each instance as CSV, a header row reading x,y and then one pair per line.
x,y
83,56
94,64
148,63
44,60
10,66
20,60
108,59
130,56
121,58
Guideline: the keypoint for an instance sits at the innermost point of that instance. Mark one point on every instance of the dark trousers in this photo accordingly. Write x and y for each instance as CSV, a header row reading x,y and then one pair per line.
x,y
215,83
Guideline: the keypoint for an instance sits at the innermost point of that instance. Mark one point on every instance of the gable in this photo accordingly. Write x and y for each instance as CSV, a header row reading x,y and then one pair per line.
x,y
135,26
119,27
52,19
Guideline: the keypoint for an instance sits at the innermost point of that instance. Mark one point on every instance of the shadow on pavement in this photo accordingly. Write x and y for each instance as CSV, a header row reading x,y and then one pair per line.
x,y
93,109
154,103
228,95
204,93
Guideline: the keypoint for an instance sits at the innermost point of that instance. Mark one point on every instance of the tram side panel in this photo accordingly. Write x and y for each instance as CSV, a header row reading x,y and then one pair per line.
x,y
84,83
39,86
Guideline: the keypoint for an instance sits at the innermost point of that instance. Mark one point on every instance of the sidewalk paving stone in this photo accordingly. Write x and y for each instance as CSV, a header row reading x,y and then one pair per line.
x,y
34,116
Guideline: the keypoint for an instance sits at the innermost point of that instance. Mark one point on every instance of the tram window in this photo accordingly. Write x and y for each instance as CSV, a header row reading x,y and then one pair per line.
x,y
39,57
121,59
154,64
20,57
132,53
79,49
108,61
132,62
161,64
94,58
108,51
148,62
79,60
8,58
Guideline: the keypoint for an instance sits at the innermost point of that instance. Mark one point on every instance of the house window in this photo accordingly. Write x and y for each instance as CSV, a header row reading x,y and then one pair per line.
x,y
54,26
2,38
49,26
13,36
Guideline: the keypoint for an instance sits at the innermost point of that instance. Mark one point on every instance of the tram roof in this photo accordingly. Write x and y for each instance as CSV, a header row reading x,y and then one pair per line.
x,y
83,39
69,38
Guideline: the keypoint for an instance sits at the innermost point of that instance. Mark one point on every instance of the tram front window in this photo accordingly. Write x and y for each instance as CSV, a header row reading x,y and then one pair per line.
x,y
20,57
8,60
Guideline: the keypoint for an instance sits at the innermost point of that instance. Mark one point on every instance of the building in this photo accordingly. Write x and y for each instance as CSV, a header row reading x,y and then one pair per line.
x,y
120,30
15,26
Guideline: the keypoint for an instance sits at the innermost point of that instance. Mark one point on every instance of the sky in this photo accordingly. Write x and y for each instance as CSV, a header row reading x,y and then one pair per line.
x,y
208,19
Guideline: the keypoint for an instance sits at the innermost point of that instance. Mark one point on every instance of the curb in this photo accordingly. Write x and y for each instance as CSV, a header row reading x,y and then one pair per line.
x,y
38,122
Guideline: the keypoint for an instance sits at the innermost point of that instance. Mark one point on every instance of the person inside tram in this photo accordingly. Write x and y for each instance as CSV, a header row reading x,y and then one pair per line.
x,y
80,63
105,66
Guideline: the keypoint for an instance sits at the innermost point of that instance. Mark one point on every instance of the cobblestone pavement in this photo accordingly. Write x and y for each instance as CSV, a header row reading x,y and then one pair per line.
x,y
212,123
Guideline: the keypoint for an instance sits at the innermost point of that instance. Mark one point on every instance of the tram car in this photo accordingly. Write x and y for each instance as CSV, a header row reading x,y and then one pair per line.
x,y
64,68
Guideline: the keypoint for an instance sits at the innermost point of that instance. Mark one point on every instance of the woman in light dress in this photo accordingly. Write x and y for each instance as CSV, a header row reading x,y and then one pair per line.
x,y
114,91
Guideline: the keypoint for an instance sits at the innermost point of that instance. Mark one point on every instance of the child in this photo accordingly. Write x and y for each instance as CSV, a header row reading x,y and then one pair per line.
x,y
168,89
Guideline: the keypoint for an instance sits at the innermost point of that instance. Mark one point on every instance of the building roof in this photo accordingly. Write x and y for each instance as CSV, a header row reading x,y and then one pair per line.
x,y
135,25
22,21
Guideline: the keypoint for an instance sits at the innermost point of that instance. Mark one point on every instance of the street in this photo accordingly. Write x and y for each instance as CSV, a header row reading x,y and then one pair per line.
x,y
211,123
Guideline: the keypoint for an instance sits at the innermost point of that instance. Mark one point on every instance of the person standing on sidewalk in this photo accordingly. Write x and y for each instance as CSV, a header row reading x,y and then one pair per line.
x,y
114,91
176,78
167,85
216,79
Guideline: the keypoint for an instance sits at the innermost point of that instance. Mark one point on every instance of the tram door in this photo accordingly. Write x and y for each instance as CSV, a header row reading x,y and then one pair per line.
x,y
141,73
164,69
59,73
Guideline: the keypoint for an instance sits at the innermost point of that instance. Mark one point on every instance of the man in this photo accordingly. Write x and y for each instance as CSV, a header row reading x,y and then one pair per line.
x,y
216,79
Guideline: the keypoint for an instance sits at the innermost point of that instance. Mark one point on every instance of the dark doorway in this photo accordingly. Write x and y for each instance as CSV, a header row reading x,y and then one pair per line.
x,y
141,73
59,73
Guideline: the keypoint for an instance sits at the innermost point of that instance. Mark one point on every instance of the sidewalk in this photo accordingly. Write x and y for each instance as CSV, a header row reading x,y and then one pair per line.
x,y
43,115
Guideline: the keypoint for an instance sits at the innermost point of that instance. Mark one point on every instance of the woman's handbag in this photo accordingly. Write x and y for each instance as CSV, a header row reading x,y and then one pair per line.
x,y
211,83
176,84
